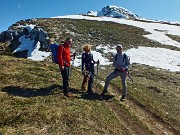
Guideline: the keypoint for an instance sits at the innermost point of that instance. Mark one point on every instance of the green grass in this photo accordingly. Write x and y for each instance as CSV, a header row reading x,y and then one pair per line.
x,y
32,102
155,90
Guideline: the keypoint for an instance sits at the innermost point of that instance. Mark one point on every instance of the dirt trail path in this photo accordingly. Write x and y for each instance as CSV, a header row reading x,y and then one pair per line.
x,y
149,119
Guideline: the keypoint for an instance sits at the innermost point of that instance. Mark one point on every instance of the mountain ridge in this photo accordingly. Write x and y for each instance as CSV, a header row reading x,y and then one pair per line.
x,y
114,12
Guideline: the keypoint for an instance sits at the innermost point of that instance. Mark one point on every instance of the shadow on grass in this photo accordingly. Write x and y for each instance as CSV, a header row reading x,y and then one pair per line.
x,y
30,92
93,96
75,91
96,96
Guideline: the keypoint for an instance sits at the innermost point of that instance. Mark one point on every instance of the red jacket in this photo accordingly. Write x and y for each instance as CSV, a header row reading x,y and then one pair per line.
x,y
64,55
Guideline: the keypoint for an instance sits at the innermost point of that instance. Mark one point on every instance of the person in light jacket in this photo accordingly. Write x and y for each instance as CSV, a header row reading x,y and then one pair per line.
x,y
121,65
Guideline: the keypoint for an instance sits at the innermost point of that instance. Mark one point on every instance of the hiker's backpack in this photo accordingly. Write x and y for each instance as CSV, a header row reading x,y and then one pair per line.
x,y
54,50
125,58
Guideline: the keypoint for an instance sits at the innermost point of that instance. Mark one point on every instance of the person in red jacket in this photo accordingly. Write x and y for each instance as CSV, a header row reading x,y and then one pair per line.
x,y
64,58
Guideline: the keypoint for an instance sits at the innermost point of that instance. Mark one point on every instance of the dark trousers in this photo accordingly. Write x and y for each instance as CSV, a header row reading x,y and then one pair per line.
x,y
90,82
65,76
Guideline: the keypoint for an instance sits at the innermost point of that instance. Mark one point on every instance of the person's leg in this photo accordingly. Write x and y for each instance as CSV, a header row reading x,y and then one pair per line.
x,y
108,79
85,82
124,87
65,76
90,83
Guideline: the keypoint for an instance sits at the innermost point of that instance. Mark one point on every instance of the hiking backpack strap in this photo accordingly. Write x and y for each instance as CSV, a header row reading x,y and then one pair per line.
x,y
116,57
125,58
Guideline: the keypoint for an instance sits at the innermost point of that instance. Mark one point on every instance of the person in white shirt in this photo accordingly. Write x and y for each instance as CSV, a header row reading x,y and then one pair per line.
x,y
121,64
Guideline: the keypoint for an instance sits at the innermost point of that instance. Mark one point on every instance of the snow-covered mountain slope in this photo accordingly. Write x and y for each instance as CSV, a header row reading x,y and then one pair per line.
x,y
157,57
92,13
157,31
114,12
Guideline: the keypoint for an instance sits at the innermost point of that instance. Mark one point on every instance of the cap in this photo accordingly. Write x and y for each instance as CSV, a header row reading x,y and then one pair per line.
x,y
119,46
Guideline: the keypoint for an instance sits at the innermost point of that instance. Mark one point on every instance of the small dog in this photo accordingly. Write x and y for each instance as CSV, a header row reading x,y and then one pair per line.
x,y
85,81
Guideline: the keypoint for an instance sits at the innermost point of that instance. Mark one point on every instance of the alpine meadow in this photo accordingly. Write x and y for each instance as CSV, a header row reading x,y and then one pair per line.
x,y
31,86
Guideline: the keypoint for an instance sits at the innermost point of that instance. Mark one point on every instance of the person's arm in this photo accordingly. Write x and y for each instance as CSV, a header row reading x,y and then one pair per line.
x,y
93,59
114,60
96,62
60,58
73,55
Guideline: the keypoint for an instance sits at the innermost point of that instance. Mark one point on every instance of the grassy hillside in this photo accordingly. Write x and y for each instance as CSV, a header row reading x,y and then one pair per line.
x,y
32,102
156,91
95,32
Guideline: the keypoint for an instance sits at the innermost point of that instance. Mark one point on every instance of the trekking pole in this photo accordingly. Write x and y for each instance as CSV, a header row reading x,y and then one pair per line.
x,y
75,56
73,59
72,65
97,72
129,76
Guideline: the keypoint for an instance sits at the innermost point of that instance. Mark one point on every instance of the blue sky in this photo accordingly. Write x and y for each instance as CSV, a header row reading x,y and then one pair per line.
x,y
12,11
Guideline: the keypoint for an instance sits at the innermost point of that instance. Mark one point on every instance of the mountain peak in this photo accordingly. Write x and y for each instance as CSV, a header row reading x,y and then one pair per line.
x,y
114,12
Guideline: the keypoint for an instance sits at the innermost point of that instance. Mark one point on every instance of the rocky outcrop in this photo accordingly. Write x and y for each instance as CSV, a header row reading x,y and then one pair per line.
x,y
35,33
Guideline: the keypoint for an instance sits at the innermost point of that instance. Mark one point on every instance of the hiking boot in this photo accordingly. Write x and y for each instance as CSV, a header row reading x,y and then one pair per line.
x,y
68,94
103,93
123,98
101,96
